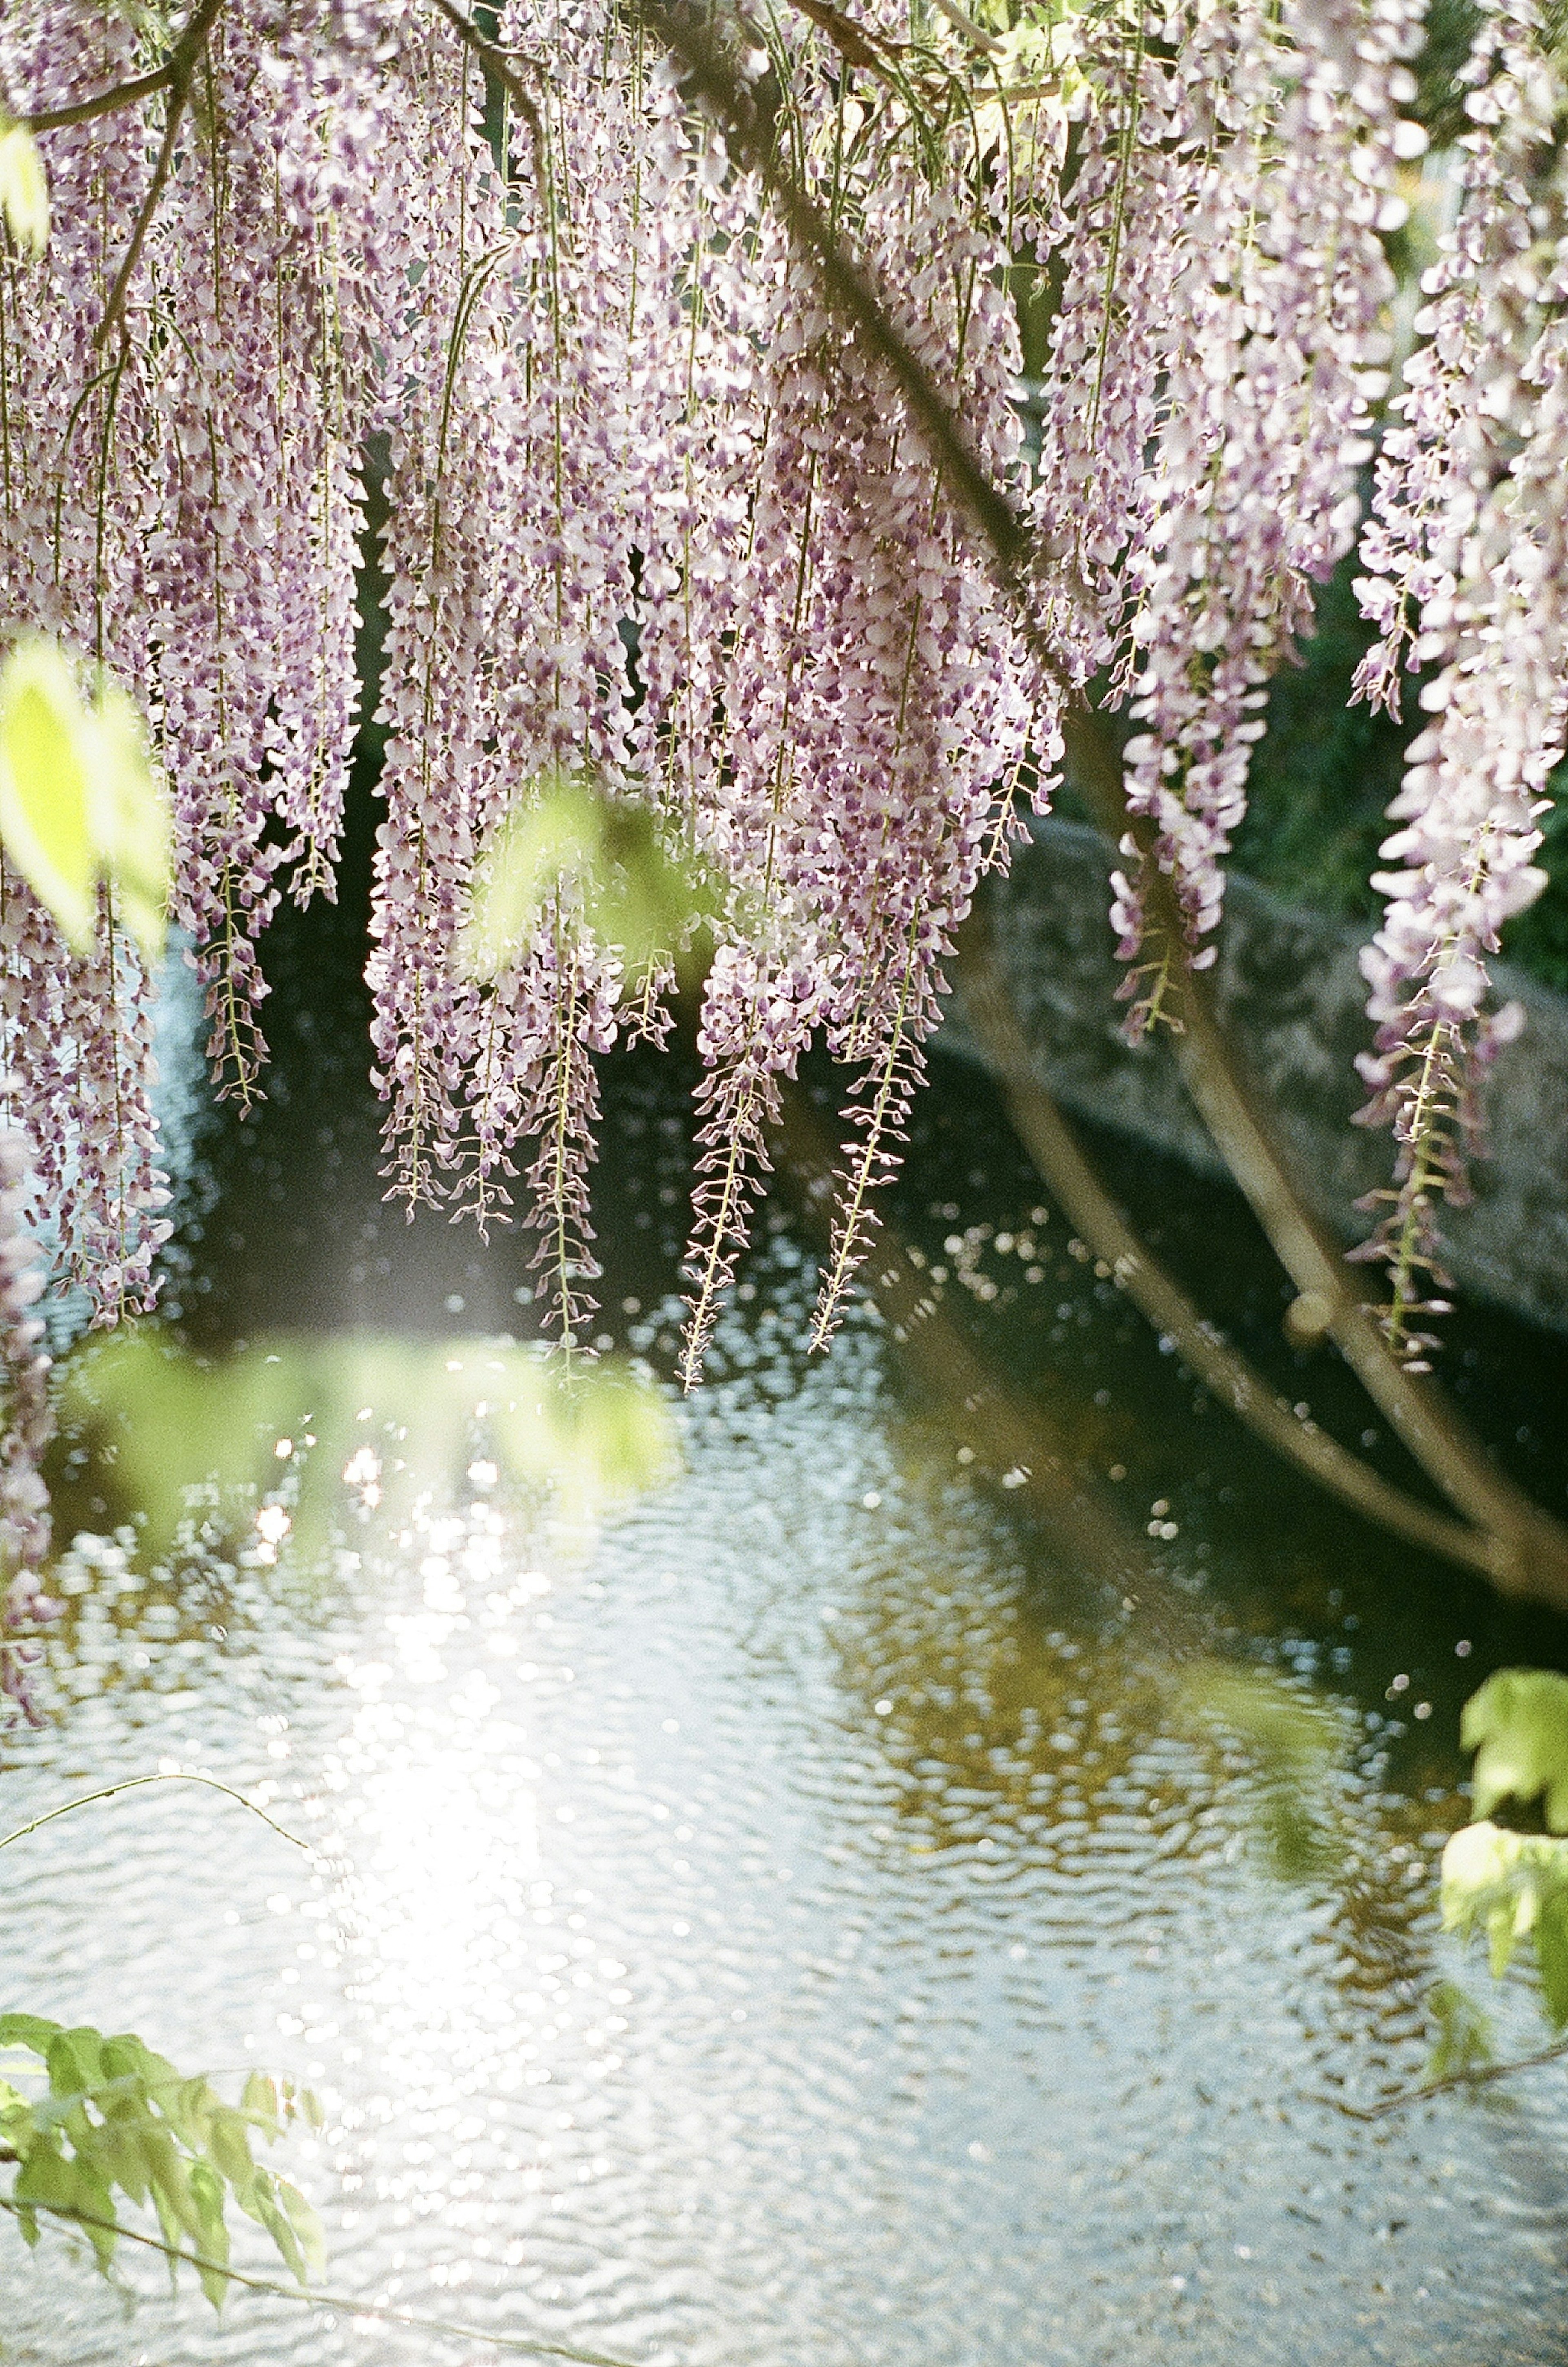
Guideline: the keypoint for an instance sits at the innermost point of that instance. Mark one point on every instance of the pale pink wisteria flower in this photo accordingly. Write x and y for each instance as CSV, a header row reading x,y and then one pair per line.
x,y
26,1429
1277,355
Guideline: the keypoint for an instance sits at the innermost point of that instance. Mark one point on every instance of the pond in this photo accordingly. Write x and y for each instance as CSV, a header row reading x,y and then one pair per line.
x,y
800,1916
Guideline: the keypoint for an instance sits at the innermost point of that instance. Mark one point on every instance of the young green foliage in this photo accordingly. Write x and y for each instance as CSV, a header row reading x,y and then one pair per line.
x,y
1295,1748
117,2120
1514,1886
1464,2033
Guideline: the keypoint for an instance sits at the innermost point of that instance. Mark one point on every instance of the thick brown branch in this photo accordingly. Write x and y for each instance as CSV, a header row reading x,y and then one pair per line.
x,y
107,102
495,61
1533,1551
1222,1371
852,297
181,67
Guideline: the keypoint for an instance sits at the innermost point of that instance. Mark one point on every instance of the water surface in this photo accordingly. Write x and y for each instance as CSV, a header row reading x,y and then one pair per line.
x,y
796,1921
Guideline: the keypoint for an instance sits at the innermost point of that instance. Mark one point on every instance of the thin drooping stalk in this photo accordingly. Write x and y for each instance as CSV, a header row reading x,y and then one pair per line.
x,y
134,1784
353,2305
181,69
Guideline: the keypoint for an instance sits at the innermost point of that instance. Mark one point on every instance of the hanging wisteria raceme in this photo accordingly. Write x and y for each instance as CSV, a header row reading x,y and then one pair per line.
x,y
661,521
437,696
27,1427
77,521
849,757
1468,546
1118,242
1277,354
935,674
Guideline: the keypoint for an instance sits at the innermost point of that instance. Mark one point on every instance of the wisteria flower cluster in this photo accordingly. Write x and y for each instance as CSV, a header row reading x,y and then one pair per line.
x,y
24,1608
661,518
1466,553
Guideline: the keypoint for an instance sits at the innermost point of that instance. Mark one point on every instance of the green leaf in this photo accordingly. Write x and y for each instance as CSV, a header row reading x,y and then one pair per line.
x,y
230,2148
47,2178
126,2057
1512,1886
1551,1953
259,2099
1518,1727
267,2209
607,856
92,2198
24,188
554,841
75,2062
27,2030
306,2225
120,2118
215,2242
1295,1748
18,2127
44,820
118,2154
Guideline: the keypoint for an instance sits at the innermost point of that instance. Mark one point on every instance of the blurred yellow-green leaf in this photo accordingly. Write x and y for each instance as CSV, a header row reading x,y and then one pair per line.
x,y
1463,2037
1512,1886
44,817
131,818
289,1436
1295,1746
79,801
24,189
1518,1727
608,856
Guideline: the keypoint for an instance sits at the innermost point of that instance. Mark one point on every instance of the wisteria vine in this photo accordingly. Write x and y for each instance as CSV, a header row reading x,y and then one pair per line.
x,y
623,415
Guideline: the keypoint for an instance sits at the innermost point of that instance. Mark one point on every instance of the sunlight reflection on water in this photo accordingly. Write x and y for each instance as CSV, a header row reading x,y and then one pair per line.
x,y
789,1925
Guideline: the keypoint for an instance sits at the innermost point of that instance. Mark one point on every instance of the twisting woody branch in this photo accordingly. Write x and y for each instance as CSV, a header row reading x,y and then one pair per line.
x,y
629,404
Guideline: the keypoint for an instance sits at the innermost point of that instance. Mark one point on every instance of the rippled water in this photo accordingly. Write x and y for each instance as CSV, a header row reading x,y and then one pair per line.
x,y
800,1922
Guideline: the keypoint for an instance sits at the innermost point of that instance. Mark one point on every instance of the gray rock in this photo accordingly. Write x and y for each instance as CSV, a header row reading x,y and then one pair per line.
x,y
1293,1001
